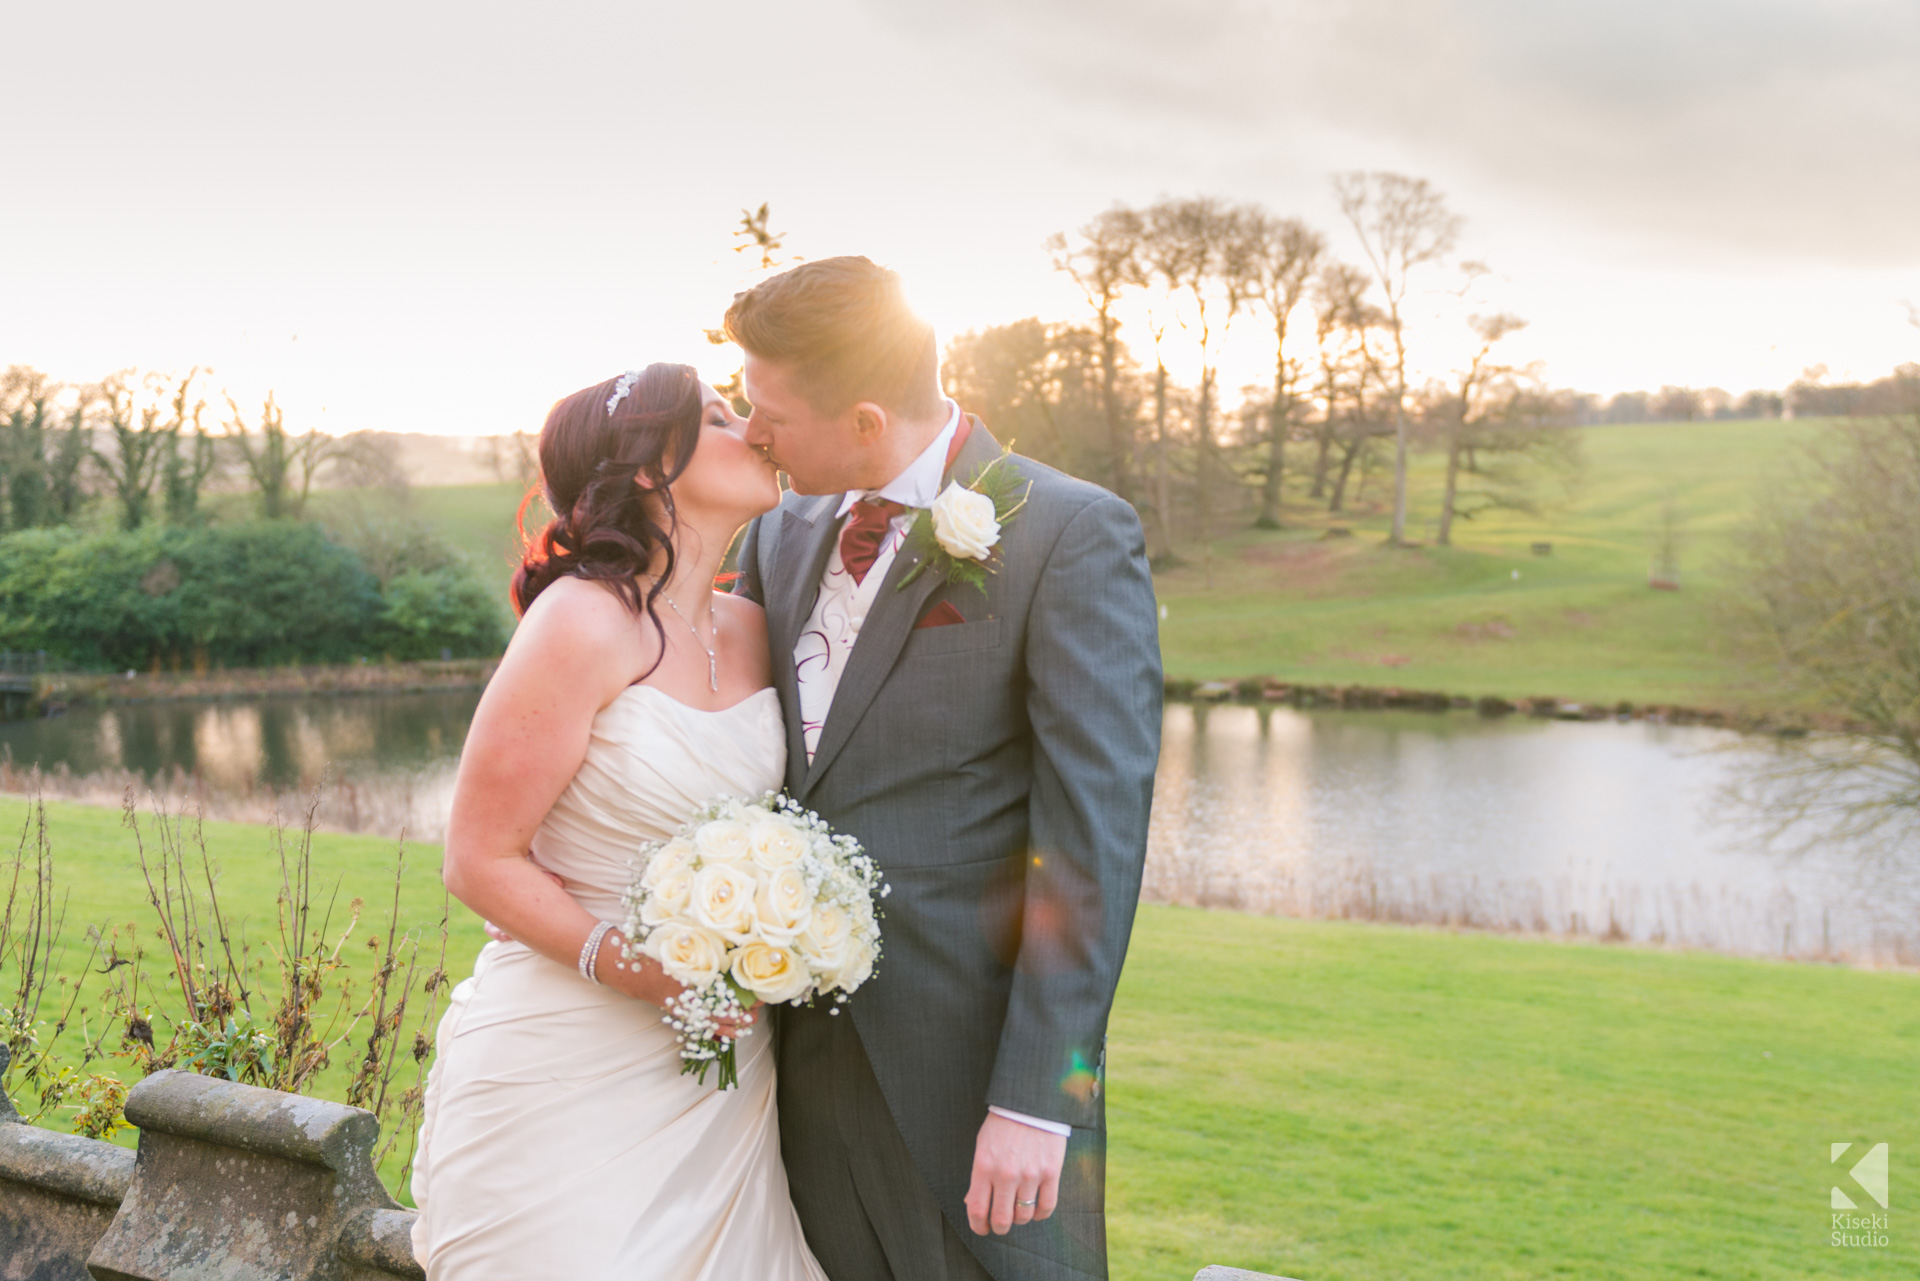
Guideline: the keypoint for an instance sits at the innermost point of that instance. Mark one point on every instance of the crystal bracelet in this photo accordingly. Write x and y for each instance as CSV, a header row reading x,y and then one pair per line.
x,y
590,952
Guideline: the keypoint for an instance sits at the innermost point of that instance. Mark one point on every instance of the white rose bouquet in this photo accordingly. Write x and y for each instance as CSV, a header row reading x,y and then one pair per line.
x,y
752,902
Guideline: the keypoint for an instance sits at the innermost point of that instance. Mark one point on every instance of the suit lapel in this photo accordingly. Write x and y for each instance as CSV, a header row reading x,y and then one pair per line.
x,y
888,625
806,540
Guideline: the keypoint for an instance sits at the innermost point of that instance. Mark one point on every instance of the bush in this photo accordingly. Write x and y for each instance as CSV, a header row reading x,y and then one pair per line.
x,y
426,610
238,595
431,599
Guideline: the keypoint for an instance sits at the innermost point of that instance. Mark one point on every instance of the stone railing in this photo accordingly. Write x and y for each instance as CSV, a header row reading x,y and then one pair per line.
x,y
230,1182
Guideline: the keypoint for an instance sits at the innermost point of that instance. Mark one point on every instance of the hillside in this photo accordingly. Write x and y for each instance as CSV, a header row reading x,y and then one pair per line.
x,y
1303,605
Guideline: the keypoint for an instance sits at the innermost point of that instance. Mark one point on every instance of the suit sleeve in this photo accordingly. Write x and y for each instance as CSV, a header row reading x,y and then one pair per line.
x,y
749,583
1093,700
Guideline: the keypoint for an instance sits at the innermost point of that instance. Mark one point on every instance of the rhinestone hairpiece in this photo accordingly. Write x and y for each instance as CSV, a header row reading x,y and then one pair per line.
x,y
621,388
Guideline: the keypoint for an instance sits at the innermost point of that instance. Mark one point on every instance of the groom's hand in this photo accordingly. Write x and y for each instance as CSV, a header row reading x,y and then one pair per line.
x,y
1013,1163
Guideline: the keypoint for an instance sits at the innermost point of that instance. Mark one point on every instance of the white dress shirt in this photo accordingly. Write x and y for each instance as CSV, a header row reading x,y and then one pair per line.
x,y
840,610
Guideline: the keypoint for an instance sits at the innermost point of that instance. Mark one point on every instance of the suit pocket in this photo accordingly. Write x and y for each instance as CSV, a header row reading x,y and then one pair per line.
x,y
956,638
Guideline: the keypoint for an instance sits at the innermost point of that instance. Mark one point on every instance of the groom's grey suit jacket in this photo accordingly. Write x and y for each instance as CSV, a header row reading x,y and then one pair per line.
x,y
1000,771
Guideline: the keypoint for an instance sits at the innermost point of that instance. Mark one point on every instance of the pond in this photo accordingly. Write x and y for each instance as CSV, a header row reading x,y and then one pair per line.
x,y
1612,830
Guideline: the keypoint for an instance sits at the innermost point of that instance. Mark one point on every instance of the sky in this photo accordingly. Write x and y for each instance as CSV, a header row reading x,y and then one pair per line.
x,y
442,218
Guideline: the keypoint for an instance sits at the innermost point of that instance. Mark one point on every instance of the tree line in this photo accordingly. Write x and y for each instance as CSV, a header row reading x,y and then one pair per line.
x,y
1340,408
143,449
111,555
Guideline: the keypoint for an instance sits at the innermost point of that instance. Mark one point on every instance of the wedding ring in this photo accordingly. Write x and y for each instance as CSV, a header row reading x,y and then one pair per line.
x,y
1028,1205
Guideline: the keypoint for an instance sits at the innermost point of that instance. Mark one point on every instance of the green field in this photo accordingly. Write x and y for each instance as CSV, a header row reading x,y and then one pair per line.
x,y
1581,623
1345,1101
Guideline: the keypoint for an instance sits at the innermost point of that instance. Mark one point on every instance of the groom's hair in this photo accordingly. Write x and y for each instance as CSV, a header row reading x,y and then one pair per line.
x,y
843,327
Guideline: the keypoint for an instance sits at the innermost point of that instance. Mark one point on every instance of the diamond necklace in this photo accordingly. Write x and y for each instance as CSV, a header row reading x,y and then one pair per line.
x,y
713,650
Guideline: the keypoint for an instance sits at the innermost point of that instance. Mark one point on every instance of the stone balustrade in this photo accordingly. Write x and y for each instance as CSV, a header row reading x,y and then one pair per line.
x,y
229,1182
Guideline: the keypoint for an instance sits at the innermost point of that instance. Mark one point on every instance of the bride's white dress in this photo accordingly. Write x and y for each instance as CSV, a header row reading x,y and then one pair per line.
x,y
560,1138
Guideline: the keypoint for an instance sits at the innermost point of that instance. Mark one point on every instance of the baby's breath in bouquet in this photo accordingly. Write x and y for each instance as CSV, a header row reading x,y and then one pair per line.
x,y
752,901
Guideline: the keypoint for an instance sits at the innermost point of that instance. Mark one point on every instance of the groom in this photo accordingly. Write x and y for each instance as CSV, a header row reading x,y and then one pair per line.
x,y
993,750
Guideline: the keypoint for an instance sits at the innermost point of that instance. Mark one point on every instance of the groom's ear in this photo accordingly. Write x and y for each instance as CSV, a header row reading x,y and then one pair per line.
x,y
870,422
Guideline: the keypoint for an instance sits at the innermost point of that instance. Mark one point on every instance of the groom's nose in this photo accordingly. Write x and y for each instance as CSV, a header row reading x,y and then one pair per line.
x,y
757,434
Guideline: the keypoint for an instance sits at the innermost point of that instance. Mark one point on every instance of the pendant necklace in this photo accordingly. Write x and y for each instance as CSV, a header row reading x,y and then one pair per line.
x,y
713,650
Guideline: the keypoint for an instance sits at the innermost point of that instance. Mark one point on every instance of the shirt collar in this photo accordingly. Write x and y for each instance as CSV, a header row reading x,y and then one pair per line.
x,y
919,484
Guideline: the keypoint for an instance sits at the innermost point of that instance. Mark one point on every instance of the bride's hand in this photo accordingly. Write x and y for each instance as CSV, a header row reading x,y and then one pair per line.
x,y
644,980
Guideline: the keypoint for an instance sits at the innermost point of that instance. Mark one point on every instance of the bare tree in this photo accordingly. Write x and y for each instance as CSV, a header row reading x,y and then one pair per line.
x,y
1678,404
369,462
1403,224
1195,242
26,419
513,459
1833,591
188,459
1470,408
1166,263
281,466
1277,258
1103,259
1351,369
138,437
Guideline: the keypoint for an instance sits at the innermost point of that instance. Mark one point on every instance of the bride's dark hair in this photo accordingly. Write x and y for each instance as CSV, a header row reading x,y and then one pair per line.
x,y
606,527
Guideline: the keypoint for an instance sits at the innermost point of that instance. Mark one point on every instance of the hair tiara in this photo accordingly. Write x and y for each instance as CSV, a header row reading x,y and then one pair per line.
x,y
621,388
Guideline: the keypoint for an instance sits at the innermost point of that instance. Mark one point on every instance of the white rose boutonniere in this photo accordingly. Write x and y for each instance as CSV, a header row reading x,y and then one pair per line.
x,y
964,523
958,534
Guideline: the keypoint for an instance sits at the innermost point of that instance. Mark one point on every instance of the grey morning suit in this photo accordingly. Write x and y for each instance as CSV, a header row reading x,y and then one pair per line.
x,y
1000,770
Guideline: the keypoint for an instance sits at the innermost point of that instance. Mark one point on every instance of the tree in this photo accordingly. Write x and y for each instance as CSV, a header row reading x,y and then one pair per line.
x,y
26,415
1277,258
1191,243
513,459
1677,405
138,438
1832,578
1165,263
1471,408
370,463
1403,224
187,460
281,466
1345,323
1104,261
1038,384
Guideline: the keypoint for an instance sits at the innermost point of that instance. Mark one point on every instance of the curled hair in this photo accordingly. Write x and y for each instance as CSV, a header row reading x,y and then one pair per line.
x,y
606,527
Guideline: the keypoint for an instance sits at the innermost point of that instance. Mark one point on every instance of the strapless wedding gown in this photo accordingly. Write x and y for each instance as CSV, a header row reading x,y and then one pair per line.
x,y
560,1139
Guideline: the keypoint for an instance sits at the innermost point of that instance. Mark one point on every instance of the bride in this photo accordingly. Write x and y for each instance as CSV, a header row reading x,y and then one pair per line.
x,y
560,1138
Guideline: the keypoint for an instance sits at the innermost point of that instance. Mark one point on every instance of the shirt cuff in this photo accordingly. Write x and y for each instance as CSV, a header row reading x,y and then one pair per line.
x,y
1060,1128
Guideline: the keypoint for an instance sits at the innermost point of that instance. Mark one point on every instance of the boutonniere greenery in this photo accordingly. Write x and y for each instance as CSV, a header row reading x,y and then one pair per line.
x,y
956,537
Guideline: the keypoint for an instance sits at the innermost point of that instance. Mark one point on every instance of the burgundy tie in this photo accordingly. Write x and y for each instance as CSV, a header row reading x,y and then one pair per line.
x,y
865,532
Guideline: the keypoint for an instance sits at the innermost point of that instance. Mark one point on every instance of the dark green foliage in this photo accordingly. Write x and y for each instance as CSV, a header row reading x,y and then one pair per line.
x,y
39,459
426,610
237,596
432,600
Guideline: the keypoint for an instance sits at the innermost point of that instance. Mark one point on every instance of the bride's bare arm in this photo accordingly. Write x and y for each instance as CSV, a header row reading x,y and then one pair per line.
x,y
574,652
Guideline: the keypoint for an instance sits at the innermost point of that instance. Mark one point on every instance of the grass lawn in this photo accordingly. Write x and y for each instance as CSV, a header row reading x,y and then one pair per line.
x,y
1581,623
1339,1100
1330,1100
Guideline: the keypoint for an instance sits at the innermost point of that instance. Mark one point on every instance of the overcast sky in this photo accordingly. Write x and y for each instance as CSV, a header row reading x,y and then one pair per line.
x,y
442,217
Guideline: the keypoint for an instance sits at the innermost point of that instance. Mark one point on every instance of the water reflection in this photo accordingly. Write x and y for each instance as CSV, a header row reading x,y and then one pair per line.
x,y
1612,830
378,763
1599,829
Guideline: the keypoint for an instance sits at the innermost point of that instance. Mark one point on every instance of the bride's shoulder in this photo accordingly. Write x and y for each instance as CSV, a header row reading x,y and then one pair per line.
x,y
741,612
580,614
